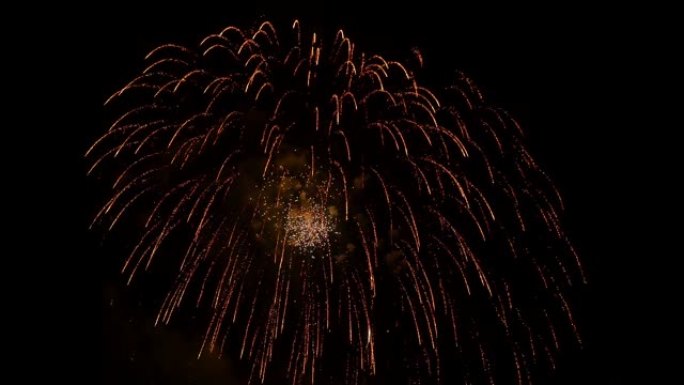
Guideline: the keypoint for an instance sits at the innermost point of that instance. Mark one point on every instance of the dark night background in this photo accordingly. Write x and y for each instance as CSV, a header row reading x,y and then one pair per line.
x,y
578,79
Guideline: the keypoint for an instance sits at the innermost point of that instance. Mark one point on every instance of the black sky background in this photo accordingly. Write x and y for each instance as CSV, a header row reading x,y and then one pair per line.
x,y
579,79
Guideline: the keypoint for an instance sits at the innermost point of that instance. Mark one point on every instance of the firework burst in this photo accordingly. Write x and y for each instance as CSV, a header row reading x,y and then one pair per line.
x,y
310,184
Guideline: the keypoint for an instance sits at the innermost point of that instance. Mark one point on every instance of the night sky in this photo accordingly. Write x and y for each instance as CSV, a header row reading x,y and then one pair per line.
x,y
572,77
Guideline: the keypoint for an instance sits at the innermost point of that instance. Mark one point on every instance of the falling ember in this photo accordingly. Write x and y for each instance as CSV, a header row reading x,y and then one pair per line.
x,y
321,202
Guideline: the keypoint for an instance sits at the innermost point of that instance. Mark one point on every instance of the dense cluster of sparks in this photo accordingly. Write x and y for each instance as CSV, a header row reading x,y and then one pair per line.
x,y
308,227
310,183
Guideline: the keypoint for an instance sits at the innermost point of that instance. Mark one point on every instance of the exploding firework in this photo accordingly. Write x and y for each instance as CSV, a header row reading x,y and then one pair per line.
x,y
308,185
